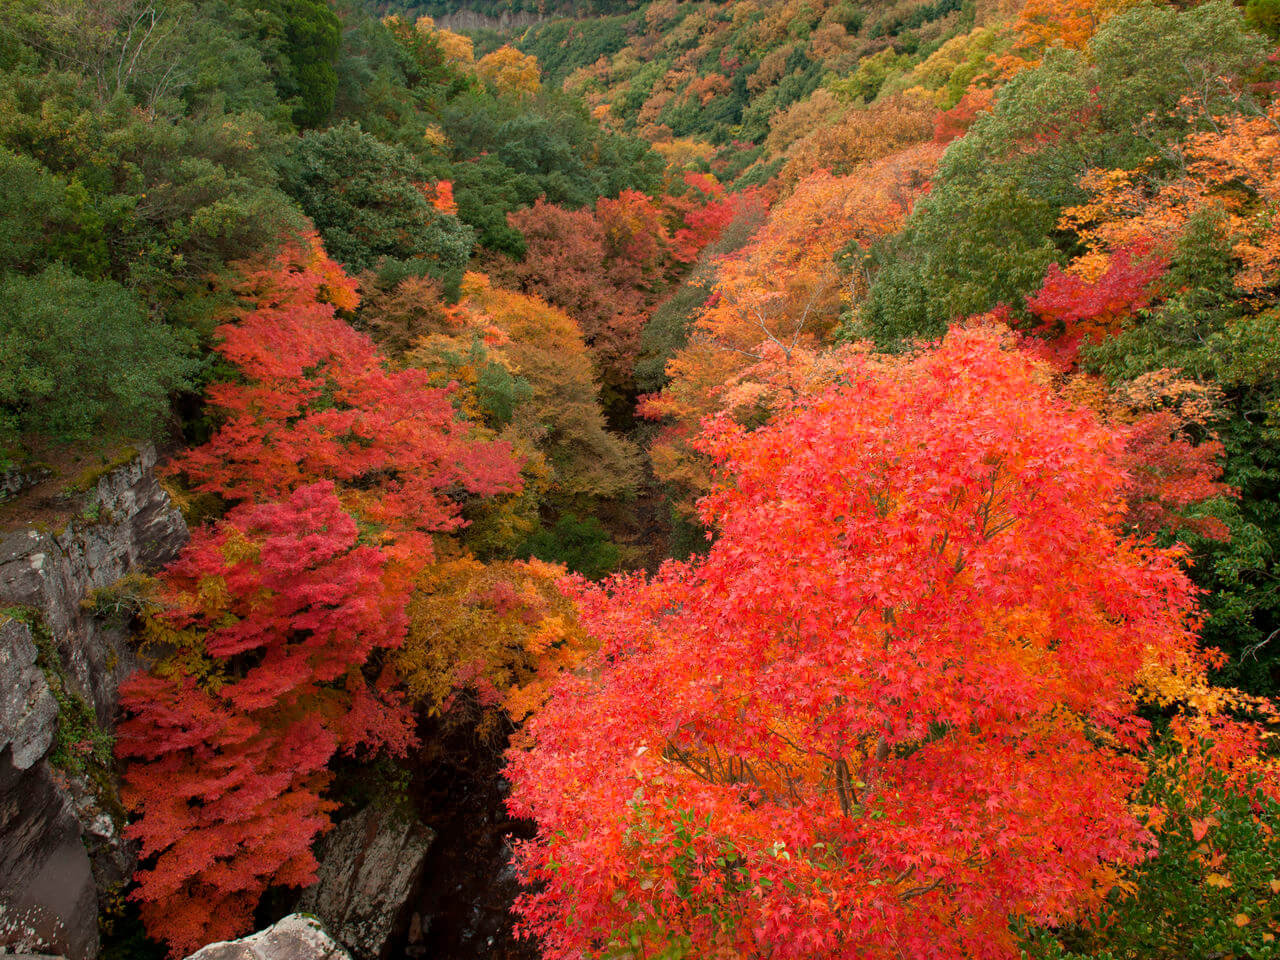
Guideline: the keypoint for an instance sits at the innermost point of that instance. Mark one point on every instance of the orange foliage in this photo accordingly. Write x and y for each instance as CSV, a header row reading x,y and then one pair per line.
x,y
888,711
562,418
773,304
440,196
1055,23
1233,170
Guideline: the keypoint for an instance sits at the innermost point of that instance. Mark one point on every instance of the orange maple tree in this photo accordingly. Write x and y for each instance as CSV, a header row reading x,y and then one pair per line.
x,y
1042,24
890,709
775,303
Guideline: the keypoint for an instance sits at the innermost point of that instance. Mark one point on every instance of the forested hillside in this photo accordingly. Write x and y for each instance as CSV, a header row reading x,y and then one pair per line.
x,y
801,478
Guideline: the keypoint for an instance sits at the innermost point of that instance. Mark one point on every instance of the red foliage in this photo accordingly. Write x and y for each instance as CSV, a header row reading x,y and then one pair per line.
x,y
315,400
269,618
635,241
341,471
891,707
702,212
1167,473
609,267
563,264
955,123
1077,311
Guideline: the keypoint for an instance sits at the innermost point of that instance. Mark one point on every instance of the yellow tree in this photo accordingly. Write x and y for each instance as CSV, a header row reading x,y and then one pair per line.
x,y
485,641
507,71
562,416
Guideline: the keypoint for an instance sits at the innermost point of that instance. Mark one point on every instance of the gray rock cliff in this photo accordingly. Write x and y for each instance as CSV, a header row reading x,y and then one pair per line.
x,y
59,846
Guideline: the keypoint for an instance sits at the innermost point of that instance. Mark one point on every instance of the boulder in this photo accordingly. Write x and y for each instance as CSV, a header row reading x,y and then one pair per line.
x,y
369,868
296,937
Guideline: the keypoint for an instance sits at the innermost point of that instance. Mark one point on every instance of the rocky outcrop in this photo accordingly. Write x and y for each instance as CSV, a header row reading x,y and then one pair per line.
x,y
126,524
296,937
59,844
369,867
505,22
28,710
47,895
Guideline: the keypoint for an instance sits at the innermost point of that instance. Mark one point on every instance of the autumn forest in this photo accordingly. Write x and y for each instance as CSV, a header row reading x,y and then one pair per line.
x,y
814,463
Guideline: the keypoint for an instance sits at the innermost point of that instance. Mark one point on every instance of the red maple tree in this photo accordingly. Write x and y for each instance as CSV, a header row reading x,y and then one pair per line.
x,y
1076,310
269,620
315,400
893,707
339,471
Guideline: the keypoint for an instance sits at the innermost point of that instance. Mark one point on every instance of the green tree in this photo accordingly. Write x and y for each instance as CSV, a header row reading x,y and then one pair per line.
x,y
583,546
304,36
1208,891
366,200
78,359
986,231
1208,332
1264,16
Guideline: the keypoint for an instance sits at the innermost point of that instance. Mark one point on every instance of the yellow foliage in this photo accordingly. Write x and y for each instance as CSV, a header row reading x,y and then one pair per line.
x,y
508,71
490,636
457,48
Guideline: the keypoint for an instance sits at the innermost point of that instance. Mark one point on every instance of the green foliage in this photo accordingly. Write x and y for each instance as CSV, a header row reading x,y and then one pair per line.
x,y
583,546
1203,330
986,231
158,202
304,36
1209,891
503,155
865,82
78,359
1264,16
43,217
500,153
364,197
563,46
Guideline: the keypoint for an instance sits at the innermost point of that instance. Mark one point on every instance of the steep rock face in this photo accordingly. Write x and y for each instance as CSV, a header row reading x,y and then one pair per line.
x,y
47,896
58,846
296,937
126,524
28,710
369,866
